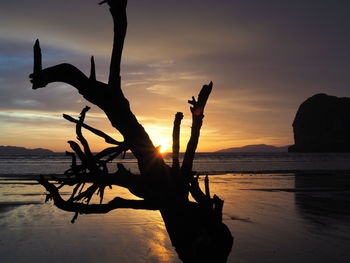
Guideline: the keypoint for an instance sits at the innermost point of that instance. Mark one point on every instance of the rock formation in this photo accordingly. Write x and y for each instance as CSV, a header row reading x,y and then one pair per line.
x,y
322,124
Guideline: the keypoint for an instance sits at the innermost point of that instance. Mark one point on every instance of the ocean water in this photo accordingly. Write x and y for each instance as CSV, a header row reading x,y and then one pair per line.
x,y
280,207
205,163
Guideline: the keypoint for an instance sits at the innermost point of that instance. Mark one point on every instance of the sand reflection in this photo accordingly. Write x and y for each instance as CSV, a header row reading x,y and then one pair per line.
x,y
323,201
158,247
274,218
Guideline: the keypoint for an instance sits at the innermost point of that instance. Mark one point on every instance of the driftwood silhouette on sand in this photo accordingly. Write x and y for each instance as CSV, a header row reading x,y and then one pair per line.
x,y
195,227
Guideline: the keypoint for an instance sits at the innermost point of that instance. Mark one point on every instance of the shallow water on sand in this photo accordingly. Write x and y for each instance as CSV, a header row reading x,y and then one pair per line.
x,y
273,217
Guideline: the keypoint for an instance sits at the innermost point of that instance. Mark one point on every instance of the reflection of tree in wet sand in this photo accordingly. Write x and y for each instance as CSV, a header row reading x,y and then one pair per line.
x,y
323,199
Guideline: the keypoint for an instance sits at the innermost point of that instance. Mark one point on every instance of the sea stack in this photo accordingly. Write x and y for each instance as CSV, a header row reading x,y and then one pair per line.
x,y
322,124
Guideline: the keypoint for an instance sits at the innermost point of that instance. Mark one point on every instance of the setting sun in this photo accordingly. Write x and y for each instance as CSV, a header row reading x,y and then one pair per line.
x,y
161,136
163,144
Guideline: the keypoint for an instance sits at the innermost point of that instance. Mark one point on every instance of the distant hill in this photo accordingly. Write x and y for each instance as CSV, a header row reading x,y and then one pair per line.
x,y
262,148
13,150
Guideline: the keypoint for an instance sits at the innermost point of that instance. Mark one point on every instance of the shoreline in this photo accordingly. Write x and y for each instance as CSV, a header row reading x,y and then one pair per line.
x,y
34,176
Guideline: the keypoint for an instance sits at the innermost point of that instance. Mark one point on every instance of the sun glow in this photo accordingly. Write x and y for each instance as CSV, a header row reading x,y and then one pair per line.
x,y
163,144
161,137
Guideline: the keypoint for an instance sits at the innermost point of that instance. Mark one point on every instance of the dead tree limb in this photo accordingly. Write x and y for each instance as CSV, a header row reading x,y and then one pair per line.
x,y
93,69
117,109
195,228
107,138
94,209
37,61
79,133
176,140
197,111
118,11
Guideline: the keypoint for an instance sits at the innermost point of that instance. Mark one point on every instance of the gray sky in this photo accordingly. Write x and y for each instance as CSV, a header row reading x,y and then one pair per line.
x,y
264,57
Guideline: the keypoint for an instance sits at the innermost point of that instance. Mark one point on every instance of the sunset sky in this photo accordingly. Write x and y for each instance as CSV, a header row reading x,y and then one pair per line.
x,y
264,58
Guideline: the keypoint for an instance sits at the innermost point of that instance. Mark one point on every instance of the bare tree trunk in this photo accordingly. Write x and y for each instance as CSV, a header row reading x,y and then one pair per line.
x,y
195,228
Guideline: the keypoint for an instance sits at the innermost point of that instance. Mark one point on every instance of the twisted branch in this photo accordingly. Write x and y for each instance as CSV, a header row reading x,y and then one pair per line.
x,y
197,111
94,209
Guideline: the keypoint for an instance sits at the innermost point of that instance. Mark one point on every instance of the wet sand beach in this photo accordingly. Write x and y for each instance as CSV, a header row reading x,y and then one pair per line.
x,y
273,217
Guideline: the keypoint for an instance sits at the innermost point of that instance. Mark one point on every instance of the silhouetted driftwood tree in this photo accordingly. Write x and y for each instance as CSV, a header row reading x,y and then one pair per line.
x,y
195,227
